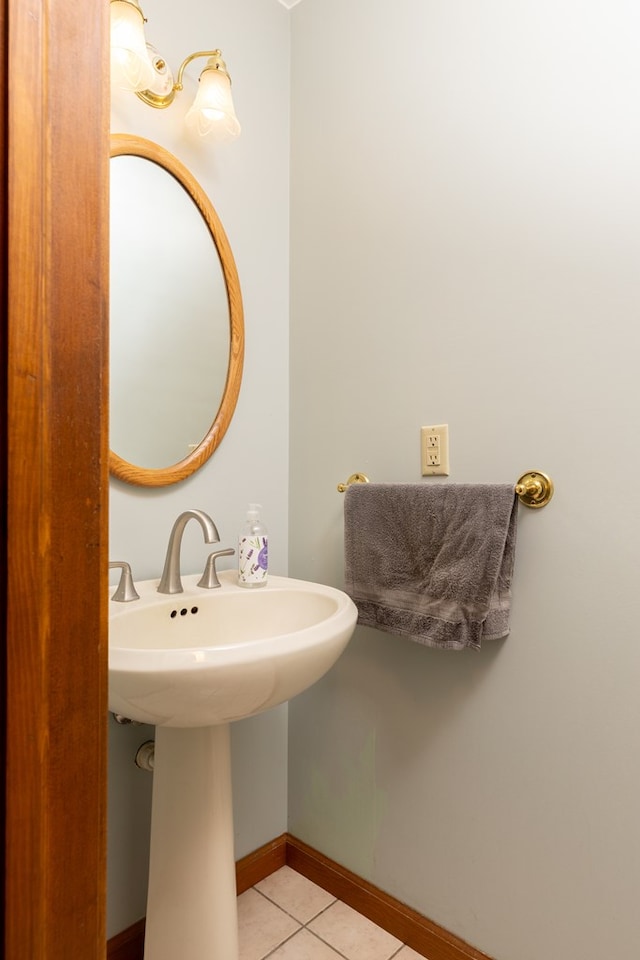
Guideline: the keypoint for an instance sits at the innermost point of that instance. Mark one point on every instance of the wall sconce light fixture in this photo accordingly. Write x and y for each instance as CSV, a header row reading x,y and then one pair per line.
x,y
137,66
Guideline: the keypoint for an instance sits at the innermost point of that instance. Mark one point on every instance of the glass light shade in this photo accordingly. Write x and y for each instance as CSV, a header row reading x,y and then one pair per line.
x,y
131,68
212,111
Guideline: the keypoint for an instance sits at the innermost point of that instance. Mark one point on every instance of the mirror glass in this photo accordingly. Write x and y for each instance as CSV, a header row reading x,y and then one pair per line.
x,y
176,326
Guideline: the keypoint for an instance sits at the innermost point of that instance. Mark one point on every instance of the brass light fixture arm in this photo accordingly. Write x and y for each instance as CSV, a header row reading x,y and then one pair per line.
x,y
159,100
134,3
194,56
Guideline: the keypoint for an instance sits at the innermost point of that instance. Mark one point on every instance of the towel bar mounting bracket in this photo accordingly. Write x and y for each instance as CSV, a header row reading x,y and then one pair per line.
x,y
534,489
354,478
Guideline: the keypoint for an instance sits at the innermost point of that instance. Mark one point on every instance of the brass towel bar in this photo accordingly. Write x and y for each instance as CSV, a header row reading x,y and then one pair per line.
x,y
534,489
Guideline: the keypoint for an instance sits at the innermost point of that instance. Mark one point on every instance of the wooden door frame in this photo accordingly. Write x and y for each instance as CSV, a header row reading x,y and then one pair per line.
x,y
54,476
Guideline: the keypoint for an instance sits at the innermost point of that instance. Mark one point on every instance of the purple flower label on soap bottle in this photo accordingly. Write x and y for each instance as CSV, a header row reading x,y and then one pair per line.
x,y
253,559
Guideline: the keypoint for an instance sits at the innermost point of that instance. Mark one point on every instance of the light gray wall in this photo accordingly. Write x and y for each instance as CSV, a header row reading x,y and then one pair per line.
x,y
465,243
248,183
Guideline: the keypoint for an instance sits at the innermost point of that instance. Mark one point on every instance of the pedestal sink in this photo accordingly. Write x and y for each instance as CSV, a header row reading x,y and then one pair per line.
x,y
191,663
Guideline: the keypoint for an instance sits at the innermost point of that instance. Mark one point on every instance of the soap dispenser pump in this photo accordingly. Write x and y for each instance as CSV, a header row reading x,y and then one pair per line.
x,y
253,550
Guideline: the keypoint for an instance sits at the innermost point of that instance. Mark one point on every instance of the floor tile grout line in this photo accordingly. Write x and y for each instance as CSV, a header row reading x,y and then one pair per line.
x,y
264,956
391,955
400,948
303,923
295,933
337,952
305,926
320,912
302,926
276,904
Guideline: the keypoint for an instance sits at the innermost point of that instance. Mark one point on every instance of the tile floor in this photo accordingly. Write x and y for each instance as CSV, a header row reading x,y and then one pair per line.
x,y
287,917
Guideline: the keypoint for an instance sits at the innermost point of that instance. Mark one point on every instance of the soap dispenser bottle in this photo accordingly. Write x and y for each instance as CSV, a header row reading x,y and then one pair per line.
x,y
253,550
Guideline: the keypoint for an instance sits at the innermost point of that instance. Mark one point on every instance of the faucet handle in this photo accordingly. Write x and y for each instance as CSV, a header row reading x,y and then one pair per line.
x,y
125,590
209,579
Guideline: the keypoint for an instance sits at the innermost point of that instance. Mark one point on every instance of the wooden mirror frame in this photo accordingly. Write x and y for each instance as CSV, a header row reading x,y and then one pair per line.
x,y
128,145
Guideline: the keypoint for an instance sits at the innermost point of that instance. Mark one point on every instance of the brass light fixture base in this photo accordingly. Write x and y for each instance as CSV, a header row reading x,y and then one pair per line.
x,y
163,90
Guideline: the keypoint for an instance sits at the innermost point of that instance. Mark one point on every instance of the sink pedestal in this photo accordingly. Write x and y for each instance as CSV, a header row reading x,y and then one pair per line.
x,y
191,905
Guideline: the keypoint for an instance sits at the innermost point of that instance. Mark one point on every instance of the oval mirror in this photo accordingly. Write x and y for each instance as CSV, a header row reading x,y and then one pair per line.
x,y
176,319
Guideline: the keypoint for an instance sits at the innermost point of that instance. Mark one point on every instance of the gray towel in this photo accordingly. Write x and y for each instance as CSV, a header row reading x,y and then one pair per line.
x,y
431,562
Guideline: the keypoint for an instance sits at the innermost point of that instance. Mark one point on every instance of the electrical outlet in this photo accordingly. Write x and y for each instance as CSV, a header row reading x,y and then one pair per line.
x,y
434,450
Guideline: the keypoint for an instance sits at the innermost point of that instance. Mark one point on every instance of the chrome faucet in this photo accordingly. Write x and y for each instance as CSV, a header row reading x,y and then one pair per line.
x,y
170,581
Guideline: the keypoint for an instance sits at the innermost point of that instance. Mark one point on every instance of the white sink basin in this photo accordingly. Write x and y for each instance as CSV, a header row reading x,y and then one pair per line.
x,y
205,657
190,663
